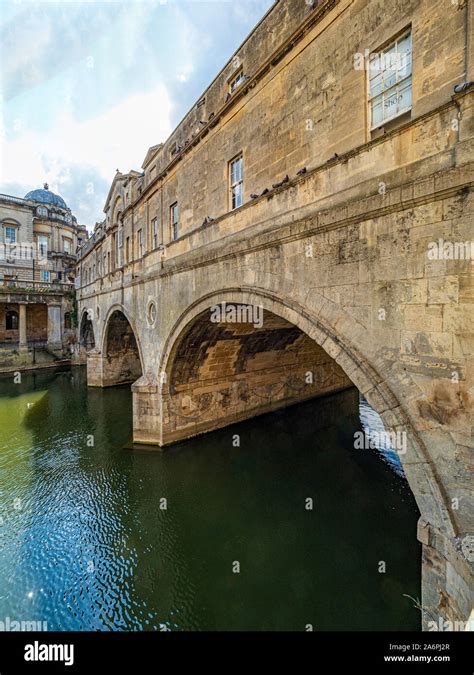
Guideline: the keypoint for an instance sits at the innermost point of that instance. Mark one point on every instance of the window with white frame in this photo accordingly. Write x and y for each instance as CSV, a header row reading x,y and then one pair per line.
x,y
236,81
390,80
174,220
10,235
236,180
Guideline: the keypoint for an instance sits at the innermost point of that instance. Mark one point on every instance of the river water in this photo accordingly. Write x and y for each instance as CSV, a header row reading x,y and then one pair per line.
x,y
206,536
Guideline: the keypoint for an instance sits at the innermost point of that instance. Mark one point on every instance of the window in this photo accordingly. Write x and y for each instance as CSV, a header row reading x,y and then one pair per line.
x,y
11,320
151,313
140,243
174,219
10,235
120,244
236,180
390,75
236,81
67,321
127,250
44,275
67,246
154,231
43,244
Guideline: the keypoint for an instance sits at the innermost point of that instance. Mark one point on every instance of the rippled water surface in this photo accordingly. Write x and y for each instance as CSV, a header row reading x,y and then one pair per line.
x,y
84,544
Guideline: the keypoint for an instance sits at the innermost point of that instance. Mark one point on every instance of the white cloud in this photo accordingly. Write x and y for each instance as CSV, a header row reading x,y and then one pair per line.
x,y
119,138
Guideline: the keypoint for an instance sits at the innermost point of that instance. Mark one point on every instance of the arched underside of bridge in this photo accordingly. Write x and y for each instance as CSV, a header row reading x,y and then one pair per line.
x,y
237,361
119,361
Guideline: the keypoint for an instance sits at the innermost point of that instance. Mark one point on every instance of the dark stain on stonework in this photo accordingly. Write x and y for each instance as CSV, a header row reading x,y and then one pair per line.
x,y
444,405
203,335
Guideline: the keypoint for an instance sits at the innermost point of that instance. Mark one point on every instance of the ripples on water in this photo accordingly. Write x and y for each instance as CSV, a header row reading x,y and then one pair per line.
x,y
84,544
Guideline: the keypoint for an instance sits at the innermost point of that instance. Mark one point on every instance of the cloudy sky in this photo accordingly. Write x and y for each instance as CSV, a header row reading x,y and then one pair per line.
x,y
86,87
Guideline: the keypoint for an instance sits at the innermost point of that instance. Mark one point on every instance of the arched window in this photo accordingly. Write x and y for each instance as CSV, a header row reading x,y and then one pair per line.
x,y
11,320
67,320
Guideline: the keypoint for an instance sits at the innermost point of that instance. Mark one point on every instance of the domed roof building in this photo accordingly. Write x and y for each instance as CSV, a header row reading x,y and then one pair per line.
x,y
39,236
41,218
45,196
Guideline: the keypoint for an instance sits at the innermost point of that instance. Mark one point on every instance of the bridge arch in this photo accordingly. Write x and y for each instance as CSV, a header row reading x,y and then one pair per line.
x,y
122,360
418,465
86,331
392,396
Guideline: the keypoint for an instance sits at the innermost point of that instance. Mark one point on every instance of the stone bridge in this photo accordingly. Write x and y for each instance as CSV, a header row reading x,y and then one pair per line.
x,y
356,271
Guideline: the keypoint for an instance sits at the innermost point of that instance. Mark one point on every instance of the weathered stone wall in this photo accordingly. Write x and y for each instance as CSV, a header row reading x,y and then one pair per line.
x,y
44,325
310,104
36,323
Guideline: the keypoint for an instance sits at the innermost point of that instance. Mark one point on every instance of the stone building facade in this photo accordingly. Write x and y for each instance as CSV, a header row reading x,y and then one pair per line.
x,y
39,237
325,179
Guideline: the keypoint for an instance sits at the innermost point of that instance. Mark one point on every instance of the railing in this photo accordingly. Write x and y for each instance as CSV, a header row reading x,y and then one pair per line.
x,y
59,216
30,286
9,198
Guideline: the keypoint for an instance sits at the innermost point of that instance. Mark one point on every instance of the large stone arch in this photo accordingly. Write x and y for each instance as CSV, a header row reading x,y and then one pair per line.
x,y
418,465
447,575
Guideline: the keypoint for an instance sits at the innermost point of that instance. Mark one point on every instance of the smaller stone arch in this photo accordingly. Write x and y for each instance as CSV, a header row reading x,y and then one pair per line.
x,y
86,331
121,353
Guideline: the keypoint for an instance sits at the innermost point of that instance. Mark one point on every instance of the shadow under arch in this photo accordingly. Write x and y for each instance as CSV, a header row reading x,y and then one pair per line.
x,y
120,348
86,331
420,471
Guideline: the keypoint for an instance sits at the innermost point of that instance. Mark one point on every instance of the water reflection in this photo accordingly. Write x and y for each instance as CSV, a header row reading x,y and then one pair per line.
x,y
97,537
